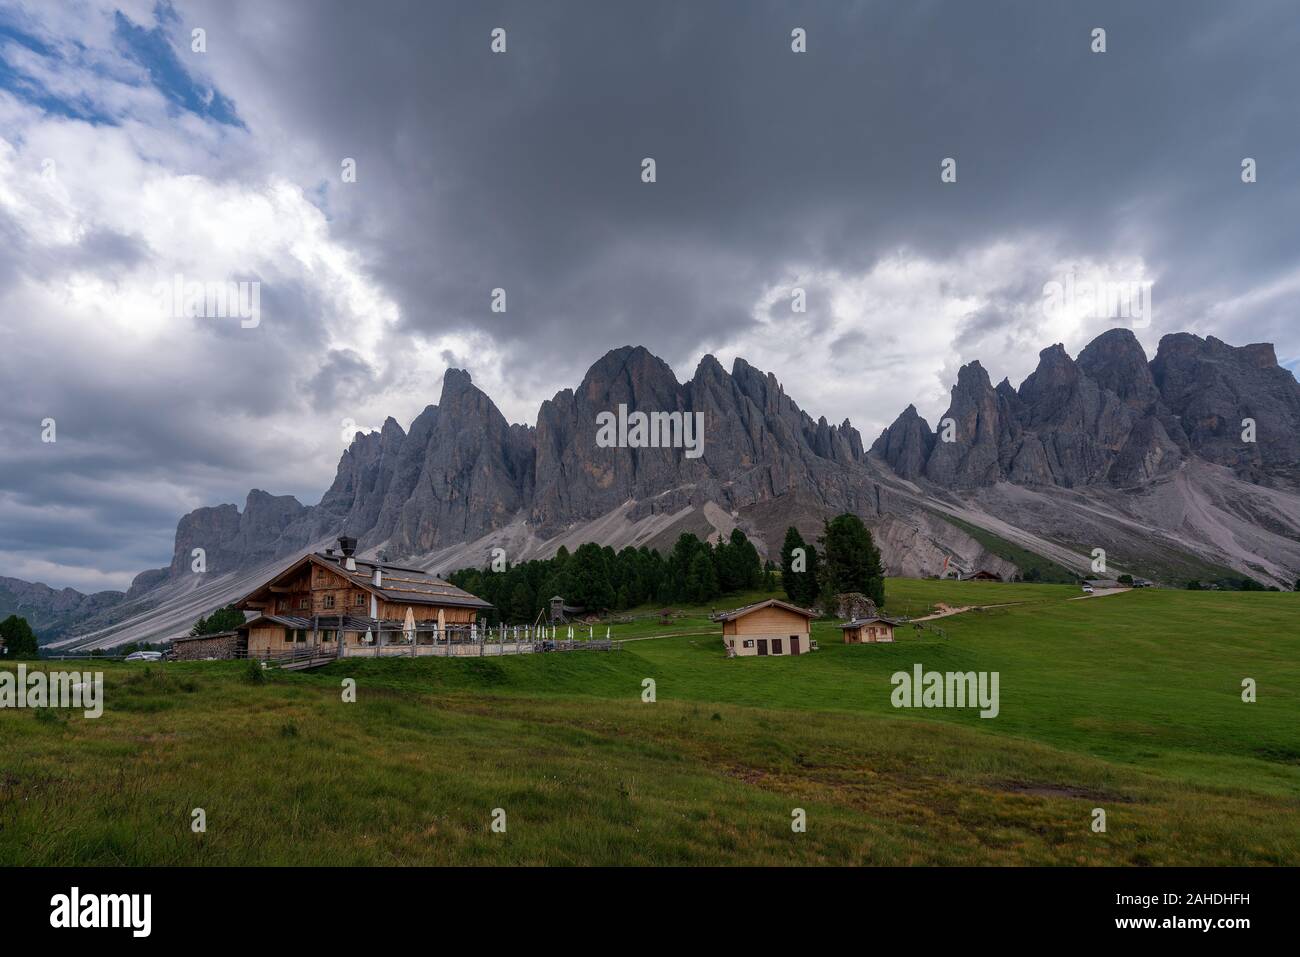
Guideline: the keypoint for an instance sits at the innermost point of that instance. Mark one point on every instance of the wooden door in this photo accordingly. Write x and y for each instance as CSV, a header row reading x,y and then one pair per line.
x,y
776,646
794,644
762,646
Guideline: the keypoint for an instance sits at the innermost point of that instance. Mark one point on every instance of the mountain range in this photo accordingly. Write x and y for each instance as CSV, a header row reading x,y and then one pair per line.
x,y
1183,465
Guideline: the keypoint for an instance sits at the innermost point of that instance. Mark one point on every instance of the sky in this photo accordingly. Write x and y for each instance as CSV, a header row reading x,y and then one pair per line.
x,y
136,155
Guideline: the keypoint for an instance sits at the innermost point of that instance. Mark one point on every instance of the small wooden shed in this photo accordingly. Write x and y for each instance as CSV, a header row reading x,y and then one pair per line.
x,y
868,631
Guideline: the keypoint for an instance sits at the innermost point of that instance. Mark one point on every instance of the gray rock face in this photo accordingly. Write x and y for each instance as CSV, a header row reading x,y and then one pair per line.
x,y
1116,362
1078,454
1211,387
231,539
1111,418
462,471
48,610
906,445
971,458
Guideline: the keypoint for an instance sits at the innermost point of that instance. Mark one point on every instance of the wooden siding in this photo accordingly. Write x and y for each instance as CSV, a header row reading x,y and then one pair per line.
x,y
770,621
767,623
869,634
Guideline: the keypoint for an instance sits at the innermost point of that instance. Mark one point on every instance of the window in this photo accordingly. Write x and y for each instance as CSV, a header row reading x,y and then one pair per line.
x,y
749,642
282,604
304,602
296,635
327,635
329,601
359,599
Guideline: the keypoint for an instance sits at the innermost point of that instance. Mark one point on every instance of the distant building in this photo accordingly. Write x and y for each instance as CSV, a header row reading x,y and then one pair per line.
x,y
868,631
983,575
771,627
324,600
561,613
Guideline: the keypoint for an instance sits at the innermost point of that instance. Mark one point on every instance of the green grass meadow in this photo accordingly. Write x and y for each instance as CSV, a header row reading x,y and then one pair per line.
x,y
1130,703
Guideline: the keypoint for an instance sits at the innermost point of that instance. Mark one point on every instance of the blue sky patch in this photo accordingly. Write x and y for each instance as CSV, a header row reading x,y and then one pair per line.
x,y
152,50
148,48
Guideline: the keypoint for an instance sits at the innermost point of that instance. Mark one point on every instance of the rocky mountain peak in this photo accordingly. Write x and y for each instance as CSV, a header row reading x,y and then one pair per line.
x,y
1216,391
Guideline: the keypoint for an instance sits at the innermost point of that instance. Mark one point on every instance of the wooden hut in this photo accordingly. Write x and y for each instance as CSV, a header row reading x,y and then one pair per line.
x,y
868,631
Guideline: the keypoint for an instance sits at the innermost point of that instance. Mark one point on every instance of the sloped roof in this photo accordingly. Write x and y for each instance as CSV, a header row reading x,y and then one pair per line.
x,y
859,622
770,603
289,621
399,584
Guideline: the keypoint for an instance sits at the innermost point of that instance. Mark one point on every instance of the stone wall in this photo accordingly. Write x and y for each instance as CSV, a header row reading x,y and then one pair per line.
x,y
224,645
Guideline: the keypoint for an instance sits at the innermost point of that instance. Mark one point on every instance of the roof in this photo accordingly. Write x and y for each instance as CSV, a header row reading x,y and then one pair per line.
x,y
770,603
323,622
399,584
859,622
289,621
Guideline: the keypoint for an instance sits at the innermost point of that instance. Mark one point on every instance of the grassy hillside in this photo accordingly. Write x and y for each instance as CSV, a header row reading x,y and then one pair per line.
x,y
1128,702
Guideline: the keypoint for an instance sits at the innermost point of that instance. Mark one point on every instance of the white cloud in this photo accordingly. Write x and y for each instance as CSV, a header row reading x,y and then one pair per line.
x,y
872,343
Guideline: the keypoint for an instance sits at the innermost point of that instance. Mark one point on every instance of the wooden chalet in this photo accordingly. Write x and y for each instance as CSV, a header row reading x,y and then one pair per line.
x,y
330,597
983,575
868,631
771,627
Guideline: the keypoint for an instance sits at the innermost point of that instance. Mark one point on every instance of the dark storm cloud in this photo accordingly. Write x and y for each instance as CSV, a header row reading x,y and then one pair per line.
x,y
521,170
343,375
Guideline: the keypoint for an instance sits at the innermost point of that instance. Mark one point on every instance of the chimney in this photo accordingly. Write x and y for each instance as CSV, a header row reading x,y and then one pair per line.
x,y
348,545
379,577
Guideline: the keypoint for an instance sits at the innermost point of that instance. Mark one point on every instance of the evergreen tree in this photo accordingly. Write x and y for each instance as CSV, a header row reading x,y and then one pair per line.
x,y
589,577
793,541
223,619
19,639
687,548
801,586
739,564
850,560
701,579
521,604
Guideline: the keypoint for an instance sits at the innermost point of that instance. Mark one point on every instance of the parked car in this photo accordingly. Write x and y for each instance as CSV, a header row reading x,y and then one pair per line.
x,y
144,656
1087,589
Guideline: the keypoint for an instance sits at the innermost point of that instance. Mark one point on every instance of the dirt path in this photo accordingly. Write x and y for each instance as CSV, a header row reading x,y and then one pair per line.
x,y
674,634
949,610
1100,593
